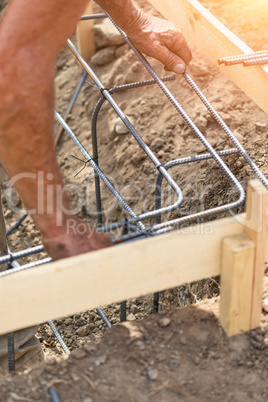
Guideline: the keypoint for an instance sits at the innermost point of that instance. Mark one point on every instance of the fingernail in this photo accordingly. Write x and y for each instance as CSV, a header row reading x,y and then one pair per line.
x,y
179,68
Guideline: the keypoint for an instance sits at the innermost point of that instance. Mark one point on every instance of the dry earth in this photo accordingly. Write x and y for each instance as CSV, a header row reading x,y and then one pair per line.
x,y
182,355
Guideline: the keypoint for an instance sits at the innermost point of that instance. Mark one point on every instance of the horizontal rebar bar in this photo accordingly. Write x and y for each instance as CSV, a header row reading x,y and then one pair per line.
x,y
241,57
256,61
20,254
92,16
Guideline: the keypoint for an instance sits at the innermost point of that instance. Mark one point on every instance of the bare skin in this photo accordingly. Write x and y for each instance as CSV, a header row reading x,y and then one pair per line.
x,y
31,36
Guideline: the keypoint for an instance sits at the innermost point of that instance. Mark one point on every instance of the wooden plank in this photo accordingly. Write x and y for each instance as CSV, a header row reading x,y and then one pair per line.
x,y
238,253
106,276
214,40
257,229
85,35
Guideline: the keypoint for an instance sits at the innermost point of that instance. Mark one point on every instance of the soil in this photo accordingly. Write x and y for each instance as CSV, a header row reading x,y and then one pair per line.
x,y
180,354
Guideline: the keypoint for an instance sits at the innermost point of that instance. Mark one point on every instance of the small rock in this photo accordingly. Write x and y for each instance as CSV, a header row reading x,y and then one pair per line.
x,y
261,127
75,377
131,317
174,363
119,127
8,214
152,374
107,35
157,144
79,353
88,400
103,56
161,153
138,157
84,331
68,321
199,70
265,305
164,322
134,308
201,123
79,322
100,360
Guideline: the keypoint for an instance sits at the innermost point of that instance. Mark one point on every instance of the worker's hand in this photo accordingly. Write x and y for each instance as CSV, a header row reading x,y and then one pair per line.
x,y
162,40
77,238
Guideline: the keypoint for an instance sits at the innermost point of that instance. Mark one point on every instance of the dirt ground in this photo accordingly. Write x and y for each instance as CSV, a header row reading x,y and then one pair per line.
x,y
181,354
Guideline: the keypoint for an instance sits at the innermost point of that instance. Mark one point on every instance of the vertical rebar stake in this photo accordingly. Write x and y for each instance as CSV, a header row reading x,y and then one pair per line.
x,y
10,341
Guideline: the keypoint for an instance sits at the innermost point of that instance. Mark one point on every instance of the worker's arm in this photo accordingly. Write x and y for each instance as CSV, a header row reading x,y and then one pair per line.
x,y
31,35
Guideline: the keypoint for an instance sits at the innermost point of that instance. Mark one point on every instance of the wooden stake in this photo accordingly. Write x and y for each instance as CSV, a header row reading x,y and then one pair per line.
x,y
256,227
238,254
242,270
85,35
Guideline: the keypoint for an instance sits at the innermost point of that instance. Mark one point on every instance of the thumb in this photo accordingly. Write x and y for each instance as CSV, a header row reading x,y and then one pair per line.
x,y
171,61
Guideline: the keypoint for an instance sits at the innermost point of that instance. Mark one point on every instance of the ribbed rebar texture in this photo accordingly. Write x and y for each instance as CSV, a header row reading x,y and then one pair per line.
x,y
59,337
93,16
226,129
17,255
187,119
237,59
17,224
256,61
104,317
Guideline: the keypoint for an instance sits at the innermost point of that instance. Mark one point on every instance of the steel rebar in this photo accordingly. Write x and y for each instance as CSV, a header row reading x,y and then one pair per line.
x,y
70,106
59,337
94,133
93,16
141,142
256,61
236,59
19,254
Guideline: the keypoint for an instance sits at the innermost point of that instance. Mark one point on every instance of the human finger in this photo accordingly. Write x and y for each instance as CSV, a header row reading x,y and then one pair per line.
x,y
170,60
178,45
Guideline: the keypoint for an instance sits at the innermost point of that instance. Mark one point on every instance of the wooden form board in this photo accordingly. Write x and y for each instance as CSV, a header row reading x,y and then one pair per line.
x,y
111,275
214,40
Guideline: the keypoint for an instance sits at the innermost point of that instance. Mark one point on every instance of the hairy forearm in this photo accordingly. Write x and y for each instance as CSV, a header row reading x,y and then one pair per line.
x,y
30,38
124,12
